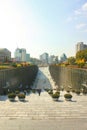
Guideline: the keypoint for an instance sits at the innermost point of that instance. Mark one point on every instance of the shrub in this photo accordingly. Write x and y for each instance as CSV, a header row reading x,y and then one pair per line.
x,y
55,95
14,64
50,92
67,95
4,67
80,62
11,95
21,95
18,65
57,92
77,92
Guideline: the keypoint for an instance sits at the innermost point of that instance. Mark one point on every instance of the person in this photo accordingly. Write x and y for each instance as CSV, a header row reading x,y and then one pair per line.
x,y
39,91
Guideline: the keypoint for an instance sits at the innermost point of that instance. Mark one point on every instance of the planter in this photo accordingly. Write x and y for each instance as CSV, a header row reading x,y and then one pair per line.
x,y
11,96
55,96
21,97
68,97
78,92
12,99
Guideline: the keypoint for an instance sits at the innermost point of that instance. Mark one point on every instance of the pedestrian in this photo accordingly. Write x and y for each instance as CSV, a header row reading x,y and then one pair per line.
x,y
39,91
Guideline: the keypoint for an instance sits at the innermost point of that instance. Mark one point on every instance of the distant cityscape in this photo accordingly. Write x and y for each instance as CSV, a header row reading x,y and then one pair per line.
x,y
20,55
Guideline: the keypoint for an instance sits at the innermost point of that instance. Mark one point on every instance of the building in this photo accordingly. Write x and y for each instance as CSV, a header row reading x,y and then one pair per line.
x,y
5,55
80,46
27,57
44,58
20,54
53,59
63,57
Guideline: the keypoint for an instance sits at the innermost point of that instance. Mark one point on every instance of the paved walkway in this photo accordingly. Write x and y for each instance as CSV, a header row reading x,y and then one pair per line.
x,y
60,124
41,112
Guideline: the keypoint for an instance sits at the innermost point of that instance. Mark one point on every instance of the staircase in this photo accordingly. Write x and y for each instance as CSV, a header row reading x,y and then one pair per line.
x,y
43,107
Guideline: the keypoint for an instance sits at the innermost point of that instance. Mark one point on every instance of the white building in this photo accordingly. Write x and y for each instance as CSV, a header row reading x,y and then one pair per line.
x,y
20,54
5,54
44,58
80,46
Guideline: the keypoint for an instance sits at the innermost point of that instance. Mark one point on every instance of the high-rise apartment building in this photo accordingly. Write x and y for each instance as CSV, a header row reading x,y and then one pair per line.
x,y
80,46
20,54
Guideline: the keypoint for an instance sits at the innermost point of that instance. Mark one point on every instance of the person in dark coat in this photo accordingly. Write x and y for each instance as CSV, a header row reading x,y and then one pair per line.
x,y
39,91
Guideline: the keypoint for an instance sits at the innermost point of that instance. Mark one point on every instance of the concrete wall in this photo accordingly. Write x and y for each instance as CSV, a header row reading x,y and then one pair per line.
x,y
68,77
13,78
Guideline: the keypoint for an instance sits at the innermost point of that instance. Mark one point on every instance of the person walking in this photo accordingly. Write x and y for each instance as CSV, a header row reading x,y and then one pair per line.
x,y
39,91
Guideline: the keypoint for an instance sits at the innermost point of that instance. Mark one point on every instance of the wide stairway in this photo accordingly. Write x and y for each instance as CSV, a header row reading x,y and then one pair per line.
x,y
43,107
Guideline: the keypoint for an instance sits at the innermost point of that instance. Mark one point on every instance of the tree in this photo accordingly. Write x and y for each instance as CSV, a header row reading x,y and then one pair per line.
x,y
81,55
71,60
80,63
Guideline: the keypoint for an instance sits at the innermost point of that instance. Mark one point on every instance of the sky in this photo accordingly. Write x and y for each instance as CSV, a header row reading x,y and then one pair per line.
x,y
52,26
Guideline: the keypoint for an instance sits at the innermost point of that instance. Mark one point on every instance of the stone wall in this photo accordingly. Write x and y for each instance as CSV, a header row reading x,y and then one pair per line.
x,y
68,77
13,78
